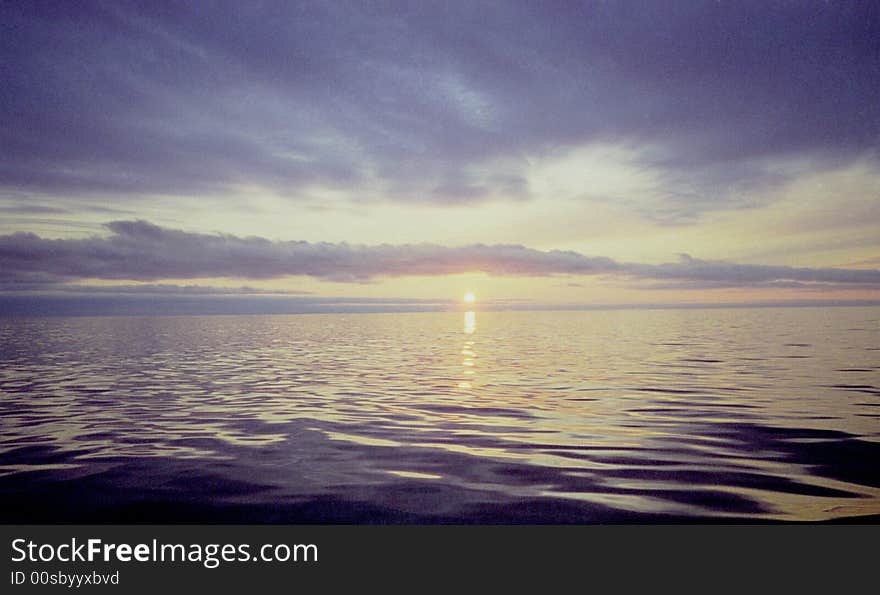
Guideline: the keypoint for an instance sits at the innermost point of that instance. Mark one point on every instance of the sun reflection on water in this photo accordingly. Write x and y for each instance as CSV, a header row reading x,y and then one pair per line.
x,y
467,350
470,322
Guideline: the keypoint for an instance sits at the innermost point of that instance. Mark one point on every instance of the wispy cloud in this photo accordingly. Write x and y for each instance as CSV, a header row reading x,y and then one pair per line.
x,y
141,251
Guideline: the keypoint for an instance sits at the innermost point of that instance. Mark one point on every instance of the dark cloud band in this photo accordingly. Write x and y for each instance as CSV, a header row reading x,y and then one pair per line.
x,y
141,251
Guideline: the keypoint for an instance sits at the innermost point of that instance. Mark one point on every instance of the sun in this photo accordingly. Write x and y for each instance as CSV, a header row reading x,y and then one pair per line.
x,y
469,298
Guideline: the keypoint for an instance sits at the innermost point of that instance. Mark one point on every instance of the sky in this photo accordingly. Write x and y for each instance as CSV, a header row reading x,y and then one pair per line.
x,y
544,153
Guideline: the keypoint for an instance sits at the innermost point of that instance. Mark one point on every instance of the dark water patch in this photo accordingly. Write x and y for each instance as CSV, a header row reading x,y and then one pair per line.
x,y
218,486
685,411
488,411
817,417
859,388
828,453
176,479
206,443
713,500
627,462
26,440
671,391
135,440
853,461
31,421
684,405
96,437
854,386
728,478
533,475
514,446
723,405
401,417
39,455
762,435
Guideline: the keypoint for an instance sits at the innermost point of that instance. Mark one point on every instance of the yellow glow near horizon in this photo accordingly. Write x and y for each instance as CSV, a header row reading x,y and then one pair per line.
x,y
469,298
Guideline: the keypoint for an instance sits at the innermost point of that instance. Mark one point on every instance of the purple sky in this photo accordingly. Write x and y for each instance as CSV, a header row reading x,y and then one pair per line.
x,y
661,115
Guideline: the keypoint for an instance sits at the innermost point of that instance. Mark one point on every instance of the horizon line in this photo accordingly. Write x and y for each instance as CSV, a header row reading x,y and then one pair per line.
x,y
17,305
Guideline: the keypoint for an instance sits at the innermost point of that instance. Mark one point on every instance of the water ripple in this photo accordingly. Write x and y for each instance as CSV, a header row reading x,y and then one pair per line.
x,y
502,417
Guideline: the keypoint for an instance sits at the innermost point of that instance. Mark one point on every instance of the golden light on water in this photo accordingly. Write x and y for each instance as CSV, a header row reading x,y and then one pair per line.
x,y
470,322
468,352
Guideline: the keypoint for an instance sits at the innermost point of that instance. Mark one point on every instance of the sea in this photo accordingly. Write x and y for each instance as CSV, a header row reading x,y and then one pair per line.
x,y
718,415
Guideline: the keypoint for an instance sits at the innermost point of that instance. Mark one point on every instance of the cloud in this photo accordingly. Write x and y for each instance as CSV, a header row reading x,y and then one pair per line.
x,y
141,251
428,102
31,209
726,274
697,285
160,289
137,250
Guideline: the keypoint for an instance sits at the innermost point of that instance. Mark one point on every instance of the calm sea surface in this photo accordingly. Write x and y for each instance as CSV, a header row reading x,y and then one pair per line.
x,y
501,417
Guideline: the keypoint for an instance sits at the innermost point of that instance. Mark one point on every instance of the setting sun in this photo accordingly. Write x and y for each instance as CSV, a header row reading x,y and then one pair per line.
x,y
469,298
